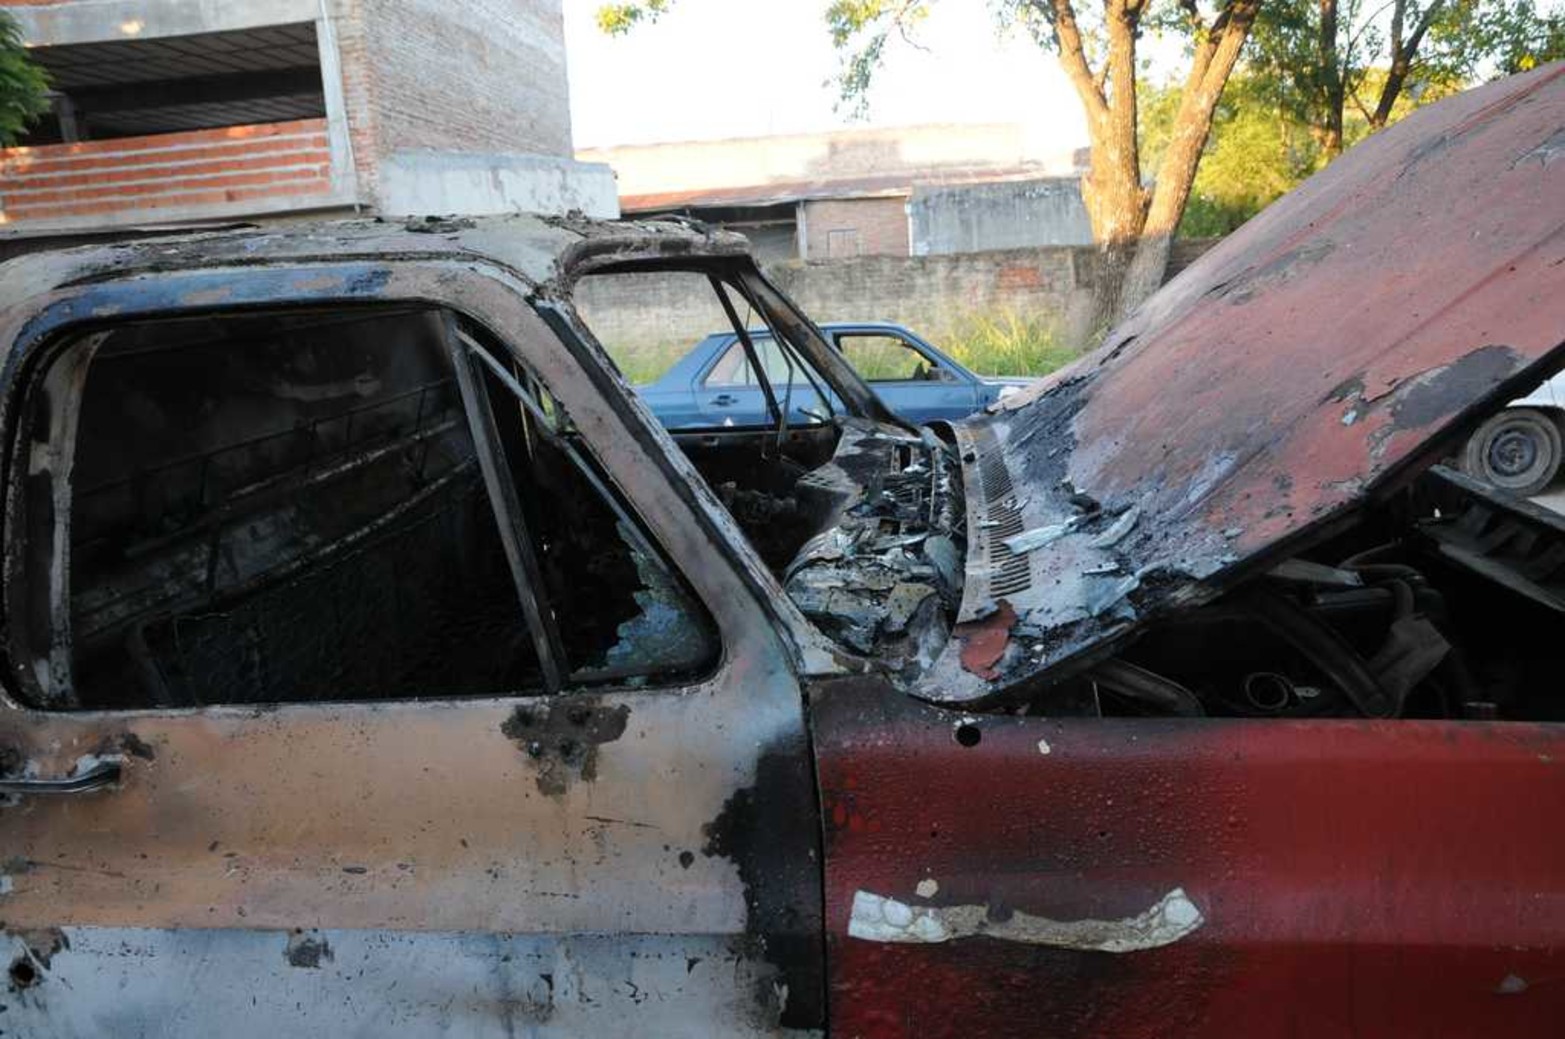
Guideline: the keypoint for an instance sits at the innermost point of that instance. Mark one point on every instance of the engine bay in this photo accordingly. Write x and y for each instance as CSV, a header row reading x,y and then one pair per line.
x,y
1443,602
868,542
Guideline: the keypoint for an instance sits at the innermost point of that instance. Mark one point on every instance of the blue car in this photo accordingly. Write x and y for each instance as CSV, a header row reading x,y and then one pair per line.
x,y
715,384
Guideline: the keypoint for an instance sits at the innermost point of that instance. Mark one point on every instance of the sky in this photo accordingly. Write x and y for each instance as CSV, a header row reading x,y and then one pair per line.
x,y
711,69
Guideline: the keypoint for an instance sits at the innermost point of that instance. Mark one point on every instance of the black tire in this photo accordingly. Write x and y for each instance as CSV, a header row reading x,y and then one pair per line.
x,y
1519,450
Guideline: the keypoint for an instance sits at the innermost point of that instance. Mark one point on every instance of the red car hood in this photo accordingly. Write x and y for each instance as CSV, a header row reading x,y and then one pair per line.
x,y
1320,356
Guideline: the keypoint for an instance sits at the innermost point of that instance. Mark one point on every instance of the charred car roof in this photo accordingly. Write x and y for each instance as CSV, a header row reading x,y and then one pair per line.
x,y
1331,347
540,250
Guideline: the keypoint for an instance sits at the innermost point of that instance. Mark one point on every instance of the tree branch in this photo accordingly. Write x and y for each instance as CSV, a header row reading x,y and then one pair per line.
x,y
1213,63
1422,27
1398,15
1193,15
1401,57
1061,17
1358,103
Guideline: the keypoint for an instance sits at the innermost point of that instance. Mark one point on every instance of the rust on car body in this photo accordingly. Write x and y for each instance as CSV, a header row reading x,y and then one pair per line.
x,y
416,847
1296,371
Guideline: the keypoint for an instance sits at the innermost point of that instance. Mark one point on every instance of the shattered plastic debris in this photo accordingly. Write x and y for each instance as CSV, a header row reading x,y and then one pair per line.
x,y
846,600
1117,531
946,558
883,578
902,603
1105,595
1038,537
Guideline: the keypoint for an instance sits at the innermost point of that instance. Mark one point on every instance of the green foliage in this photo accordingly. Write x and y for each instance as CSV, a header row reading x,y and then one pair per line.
x,y
1276,122
1268,133
859,30
646,363
619,19
1518,38
1315,77
22,84
1253,156
1006,343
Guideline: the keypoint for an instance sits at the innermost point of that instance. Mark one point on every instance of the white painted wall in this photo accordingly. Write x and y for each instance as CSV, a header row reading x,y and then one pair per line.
x,y
425,183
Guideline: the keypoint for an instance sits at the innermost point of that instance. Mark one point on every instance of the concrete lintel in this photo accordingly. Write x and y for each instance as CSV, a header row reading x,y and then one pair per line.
x,y
417,183
104,20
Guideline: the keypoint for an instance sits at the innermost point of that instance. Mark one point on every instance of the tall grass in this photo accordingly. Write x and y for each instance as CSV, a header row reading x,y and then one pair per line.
x,y
1007,343
646,363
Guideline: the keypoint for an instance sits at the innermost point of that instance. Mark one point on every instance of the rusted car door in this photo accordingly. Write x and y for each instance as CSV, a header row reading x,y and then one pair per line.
x,y
604,855
1019,876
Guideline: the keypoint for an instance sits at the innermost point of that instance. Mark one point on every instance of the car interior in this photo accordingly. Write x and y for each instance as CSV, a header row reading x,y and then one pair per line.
x,y
292,506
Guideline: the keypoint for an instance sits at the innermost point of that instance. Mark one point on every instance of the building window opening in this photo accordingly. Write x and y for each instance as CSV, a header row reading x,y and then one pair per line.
x,y
175,84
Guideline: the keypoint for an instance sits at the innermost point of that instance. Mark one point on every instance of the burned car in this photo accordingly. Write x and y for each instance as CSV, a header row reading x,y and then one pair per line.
x,y
378,664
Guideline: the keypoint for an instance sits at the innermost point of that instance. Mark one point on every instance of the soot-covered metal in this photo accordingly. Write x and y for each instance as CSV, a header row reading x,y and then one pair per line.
x,y
1303,369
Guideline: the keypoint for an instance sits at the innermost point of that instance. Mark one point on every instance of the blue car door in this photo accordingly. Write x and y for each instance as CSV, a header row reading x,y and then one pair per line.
x,y
916,383
728,393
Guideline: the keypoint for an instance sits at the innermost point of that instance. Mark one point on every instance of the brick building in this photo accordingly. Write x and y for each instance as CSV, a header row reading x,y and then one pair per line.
x,y
172,111
919,190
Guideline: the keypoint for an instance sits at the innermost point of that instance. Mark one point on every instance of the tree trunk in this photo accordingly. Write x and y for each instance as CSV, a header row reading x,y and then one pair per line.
x,y
1111,190
1116,203
1116,208
1333,90
1214,61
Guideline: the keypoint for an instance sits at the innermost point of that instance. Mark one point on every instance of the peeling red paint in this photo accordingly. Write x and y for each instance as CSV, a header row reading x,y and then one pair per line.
x,y
1374,878
1331,347
984,640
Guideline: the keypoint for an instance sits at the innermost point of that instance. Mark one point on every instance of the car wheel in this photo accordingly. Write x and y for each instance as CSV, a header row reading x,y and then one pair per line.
x,y
1518,450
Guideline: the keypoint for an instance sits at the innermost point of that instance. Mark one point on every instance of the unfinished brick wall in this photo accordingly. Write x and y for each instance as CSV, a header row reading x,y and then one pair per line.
x,y
358,91
845,228
166,172
481,75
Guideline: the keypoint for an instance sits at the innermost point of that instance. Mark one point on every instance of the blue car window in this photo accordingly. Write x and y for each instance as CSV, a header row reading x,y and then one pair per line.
x,y
886,358
734,368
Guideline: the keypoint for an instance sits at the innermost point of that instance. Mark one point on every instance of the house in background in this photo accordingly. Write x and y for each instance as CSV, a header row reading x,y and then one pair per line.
x,y
174,111
904,191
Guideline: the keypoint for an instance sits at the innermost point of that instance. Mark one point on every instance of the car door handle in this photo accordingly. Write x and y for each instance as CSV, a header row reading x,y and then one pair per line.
x,y
723,400
100,775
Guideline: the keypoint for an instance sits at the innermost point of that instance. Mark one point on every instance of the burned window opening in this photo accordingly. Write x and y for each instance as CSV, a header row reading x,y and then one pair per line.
x,y
590,551
862,521
258,508
779,414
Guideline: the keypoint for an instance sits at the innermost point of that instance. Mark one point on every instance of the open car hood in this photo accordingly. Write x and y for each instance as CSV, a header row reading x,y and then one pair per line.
x,y
1324,353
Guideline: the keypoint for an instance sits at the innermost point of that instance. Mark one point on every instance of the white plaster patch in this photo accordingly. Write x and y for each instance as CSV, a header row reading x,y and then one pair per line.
x,y
1512,985
1044,748
929,887
7,885
876,918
